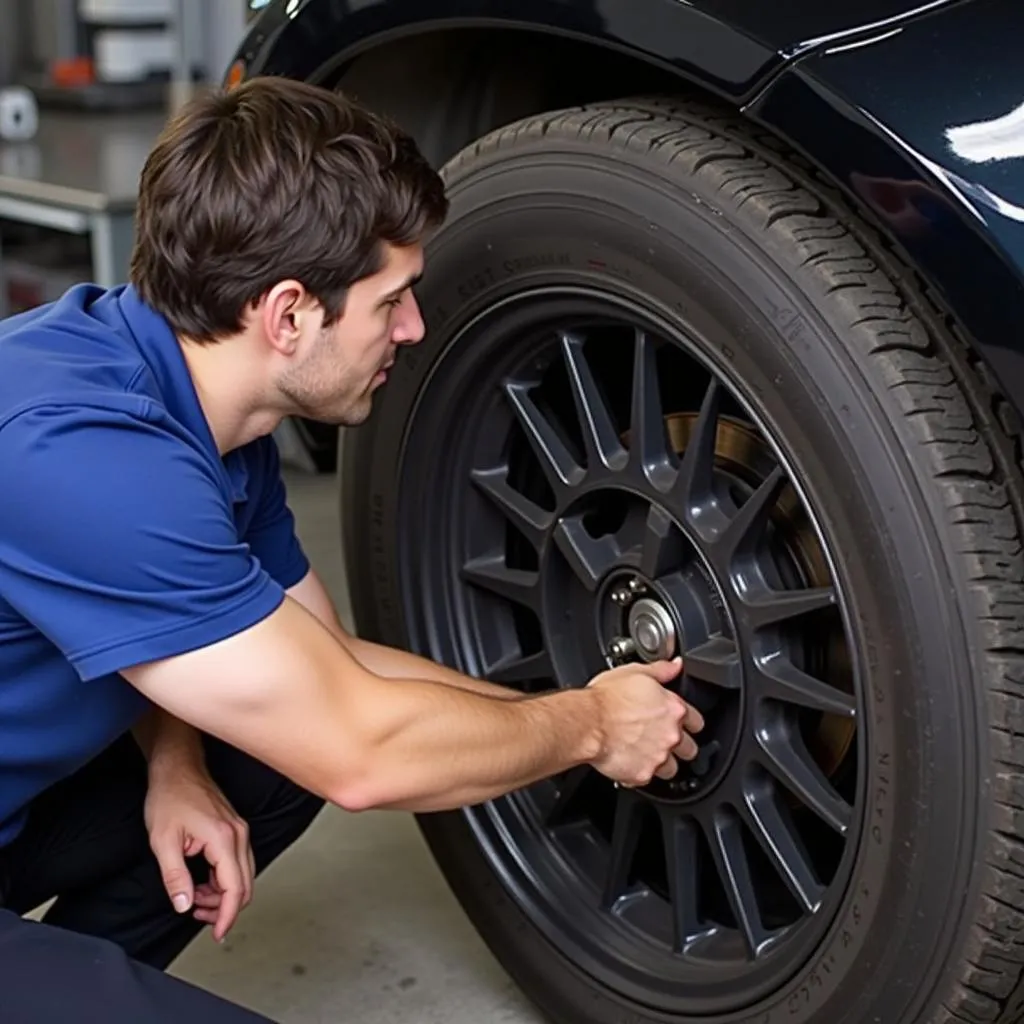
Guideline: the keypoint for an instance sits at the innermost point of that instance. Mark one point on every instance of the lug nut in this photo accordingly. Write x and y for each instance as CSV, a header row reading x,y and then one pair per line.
x,y
622,596
621,647
636,586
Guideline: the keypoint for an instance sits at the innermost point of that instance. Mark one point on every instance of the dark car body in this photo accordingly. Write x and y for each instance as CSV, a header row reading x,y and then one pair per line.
x,y
914,108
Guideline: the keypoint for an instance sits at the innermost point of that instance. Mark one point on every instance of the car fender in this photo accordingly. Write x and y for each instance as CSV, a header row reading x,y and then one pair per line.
x,y
923,125
731,47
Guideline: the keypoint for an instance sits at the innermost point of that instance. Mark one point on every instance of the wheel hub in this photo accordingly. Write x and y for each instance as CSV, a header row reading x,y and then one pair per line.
x,y
652,630
638,619
653,620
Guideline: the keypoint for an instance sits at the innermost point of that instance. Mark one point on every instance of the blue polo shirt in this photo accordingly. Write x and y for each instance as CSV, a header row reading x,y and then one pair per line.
x,y
124,535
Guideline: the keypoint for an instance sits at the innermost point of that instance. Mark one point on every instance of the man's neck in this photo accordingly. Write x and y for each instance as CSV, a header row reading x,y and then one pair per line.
x,y
229,393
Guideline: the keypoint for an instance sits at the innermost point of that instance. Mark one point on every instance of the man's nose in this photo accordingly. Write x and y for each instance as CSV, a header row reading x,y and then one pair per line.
x,y
410,329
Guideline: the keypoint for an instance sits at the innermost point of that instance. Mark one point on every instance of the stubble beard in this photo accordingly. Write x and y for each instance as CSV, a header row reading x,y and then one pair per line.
x,y
307,394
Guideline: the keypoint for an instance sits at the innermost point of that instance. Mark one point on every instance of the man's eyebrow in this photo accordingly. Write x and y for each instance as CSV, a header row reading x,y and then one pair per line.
x,y
404,286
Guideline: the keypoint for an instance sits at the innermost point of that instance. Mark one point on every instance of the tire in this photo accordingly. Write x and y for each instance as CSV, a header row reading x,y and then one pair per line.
x,y
894,440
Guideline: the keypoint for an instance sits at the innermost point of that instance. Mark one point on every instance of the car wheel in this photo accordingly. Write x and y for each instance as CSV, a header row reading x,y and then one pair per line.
x,y
676,396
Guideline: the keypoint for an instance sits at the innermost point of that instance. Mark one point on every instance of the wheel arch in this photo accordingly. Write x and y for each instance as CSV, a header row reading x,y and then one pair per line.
x,y
468,70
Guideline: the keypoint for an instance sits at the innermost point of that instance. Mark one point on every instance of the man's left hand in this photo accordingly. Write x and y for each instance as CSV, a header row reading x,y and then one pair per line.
x,y
186,814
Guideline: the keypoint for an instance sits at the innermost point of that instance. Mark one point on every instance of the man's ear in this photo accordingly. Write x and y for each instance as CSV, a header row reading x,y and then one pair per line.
x,y
284,310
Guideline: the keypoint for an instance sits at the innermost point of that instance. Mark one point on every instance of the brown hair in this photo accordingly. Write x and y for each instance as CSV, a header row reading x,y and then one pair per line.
x,y
275,179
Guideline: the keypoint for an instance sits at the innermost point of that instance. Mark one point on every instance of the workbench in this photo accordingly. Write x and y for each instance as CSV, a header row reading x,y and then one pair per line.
x,y
80,174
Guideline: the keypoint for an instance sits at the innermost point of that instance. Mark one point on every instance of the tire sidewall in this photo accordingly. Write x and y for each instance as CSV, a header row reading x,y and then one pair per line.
x,y
518,223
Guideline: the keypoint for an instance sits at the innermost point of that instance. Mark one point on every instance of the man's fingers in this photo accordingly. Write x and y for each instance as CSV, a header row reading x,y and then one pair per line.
x,y
169,853
245,861
667,769
228,872
204,915
687,748
252,868
207,897
693,720
663,671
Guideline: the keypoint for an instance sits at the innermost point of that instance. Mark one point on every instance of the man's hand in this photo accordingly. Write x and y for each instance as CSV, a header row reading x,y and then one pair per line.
x,y
644,726
186,814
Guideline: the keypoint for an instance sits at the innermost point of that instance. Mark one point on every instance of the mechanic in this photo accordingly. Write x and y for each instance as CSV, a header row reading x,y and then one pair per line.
x,y
178,698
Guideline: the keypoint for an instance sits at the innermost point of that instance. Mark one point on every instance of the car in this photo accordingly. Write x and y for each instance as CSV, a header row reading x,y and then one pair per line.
x,y
724,358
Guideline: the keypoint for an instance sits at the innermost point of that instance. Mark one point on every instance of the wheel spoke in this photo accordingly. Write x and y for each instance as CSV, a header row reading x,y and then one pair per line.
x,y
779,679
681,863
748,525
716,662
564,810
790,762
600,435
589,557
516,585
649,440
522,669
556,460
765,816
694,481
528,518
625,837
771,607
726,840
663,546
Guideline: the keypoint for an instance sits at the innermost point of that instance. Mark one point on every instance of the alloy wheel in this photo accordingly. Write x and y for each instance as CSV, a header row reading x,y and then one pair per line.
x,y
606,495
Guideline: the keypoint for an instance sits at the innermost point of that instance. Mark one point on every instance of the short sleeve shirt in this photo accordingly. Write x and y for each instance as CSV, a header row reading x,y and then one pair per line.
x,y
125,536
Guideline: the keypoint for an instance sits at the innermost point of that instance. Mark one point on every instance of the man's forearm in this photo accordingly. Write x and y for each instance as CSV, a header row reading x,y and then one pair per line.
x,y
392,663
434,747
168,744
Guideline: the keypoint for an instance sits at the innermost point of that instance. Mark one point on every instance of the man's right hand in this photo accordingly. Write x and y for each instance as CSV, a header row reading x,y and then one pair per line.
x,y
644,726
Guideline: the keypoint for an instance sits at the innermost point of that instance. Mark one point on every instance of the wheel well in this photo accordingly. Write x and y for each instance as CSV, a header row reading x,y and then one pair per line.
x,y
468,82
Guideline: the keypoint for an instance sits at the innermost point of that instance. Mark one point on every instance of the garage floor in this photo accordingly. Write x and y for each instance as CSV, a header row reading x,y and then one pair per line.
x,y
354,923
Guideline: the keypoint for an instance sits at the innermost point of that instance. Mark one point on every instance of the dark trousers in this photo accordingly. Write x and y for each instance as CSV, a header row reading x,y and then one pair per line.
x,y
85,842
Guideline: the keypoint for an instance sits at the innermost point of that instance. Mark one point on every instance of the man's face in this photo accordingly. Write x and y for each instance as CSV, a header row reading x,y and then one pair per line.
x,y
344,364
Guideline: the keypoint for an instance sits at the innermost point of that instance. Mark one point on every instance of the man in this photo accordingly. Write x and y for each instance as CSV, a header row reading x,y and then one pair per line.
x,y
177,695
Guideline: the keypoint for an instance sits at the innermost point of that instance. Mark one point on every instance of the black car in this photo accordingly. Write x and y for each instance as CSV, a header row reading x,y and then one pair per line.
x,y
725,357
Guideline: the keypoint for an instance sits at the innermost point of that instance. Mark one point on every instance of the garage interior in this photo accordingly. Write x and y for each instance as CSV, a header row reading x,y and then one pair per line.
x,y
724,360
355,922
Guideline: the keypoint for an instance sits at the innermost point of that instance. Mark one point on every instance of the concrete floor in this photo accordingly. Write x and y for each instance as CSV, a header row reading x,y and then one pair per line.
x,y
354,923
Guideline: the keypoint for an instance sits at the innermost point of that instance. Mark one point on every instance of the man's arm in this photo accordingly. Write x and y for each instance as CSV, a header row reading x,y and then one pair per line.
x,y
388,662
169,745
172,746
289,693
